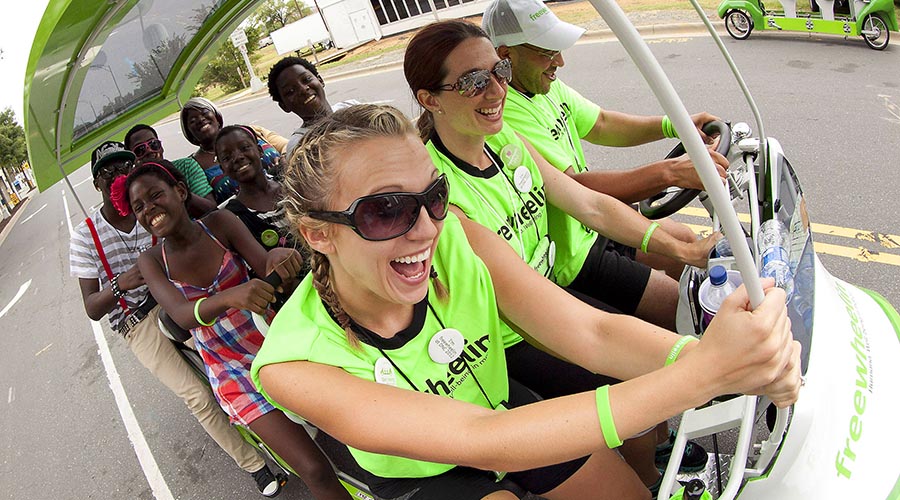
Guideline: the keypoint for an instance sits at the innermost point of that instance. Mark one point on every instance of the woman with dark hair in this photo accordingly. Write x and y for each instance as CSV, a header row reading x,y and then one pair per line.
x,y
501,182
201,121
393,343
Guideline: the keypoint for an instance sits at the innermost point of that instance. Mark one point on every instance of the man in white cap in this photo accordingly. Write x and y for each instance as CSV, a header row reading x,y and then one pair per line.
x,y
554,118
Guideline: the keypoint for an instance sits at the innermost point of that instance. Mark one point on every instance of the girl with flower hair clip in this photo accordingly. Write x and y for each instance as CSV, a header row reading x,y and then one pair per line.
x,y
199,275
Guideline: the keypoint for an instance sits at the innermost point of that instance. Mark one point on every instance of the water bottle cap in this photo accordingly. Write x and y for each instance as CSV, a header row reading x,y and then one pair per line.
x,y
718,275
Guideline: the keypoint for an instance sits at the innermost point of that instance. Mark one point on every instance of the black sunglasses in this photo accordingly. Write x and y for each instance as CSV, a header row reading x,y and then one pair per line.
x,y
385,216
476,82
143,148
108,171
549,54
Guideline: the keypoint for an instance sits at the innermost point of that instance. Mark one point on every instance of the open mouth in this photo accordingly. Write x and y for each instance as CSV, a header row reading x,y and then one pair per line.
x,y
412,267
157,220
492,113
309,99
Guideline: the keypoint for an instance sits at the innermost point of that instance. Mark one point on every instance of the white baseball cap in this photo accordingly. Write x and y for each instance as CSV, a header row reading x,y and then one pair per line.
x,y
514,22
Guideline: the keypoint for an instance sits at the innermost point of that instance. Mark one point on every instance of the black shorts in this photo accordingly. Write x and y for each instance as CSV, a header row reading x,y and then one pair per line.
x,y
611,275
466,483
549,376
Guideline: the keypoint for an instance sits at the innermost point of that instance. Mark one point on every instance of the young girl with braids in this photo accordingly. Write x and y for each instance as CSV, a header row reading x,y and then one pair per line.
x,y
393,342
199,275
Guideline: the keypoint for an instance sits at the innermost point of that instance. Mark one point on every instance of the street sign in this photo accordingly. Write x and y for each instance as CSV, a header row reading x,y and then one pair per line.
x,y
238,38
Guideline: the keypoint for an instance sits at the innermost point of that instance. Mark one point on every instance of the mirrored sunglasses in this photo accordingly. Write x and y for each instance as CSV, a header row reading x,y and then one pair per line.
x,y
476,82
385,216
140,150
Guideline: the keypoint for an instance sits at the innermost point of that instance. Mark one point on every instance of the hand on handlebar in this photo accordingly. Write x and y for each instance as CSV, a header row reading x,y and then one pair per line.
x,y
686,175
701,119
697,252
752,351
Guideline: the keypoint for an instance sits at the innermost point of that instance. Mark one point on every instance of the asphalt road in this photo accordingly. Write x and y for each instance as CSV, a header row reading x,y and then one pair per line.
x,y
833,104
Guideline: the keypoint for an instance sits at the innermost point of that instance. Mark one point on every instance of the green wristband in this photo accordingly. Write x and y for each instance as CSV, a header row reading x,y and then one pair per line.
x,y
604,412
197,313
676,349
647,235
668,129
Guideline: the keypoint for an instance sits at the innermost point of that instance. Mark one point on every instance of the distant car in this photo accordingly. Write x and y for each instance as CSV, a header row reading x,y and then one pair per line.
x,y
264,41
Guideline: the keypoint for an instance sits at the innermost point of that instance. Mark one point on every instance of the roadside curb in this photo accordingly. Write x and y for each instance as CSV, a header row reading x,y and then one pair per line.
x,y
647,31
14,218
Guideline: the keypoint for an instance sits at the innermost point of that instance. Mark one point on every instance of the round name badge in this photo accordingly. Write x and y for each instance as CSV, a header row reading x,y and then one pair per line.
x,y
551,253
522,179
384,372
446,345
512,155
269,237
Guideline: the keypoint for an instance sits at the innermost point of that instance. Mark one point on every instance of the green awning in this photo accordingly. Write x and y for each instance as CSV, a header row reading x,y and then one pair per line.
x,y
97,67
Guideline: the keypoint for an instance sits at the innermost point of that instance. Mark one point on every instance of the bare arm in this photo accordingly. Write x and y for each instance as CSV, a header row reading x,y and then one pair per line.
x,y
613,128
254,295
98,303
617,345
612,218
401,422
636,184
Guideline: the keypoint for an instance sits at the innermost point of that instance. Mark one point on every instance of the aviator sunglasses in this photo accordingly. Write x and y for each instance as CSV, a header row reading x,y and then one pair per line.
x,y
474,83
141,149
385,216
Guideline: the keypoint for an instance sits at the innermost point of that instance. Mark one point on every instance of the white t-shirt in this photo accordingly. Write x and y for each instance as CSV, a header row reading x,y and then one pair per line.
x,y
121,250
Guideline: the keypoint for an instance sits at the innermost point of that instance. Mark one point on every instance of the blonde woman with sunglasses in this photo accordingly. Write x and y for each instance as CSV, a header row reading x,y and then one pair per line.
x,y
393,343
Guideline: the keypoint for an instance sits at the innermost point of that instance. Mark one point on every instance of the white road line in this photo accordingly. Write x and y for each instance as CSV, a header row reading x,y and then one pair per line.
x,y
138,442
11,396
15,299
43,350
68,215
135,435
82,182
26,219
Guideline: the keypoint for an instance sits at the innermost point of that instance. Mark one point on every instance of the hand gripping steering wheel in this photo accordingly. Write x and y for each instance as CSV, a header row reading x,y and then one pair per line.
x,y
671,200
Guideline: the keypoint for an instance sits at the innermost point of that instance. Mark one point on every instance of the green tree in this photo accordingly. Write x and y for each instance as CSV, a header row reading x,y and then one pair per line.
x,y
276,14
227,69
12,144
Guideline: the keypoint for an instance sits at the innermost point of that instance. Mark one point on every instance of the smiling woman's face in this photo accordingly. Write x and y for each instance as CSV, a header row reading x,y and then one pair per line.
x,y
481,115
202,124
394,271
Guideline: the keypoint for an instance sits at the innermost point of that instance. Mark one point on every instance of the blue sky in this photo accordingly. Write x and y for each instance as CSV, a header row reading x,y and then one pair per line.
x,y
17,28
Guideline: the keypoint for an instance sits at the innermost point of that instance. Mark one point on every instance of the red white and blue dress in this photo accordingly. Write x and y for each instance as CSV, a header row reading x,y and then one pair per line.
x,y
230,345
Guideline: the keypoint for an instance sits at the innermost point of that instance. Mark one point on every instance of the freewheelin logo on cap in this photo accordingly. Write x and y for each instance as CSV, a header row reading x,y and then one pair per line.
x,y
517,22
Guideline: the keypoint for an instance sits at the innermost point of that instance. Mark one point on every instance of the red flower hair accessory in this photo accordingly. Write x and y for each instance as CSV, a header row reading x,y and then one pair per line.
x,y
117,195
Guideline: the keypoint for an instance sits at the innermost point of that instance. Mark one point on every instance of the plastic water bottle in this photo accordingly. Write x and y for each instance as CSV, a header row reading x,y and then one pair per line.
x,y
723,248
693,490
713,292
773,242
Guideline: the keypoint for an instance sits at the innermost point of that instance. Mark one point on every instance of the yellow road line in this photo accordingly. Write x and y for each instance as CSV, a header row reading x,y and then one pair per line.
x,y
858,253
890,241
861,254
